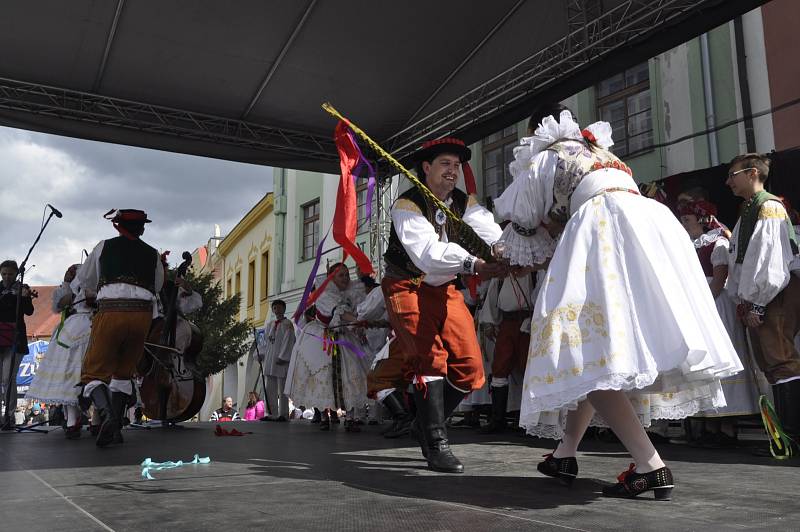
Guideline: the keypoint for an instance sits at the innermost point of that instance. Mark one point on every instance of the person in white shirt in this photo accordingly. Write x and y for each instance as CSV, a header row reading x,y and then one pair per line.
x,y
507,306
426,310
763,253
278,353
124,275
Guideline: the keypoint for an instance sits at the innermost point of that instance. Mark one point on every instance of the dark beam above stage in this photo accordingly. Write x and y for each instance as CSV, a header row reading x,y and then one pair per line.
x,y
245,82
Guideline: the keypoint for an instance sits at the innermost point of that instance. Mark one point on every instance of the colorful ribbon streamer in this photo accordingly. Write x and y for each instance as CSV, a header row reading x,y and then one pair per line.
x,y
778,439
306,301
345,219
148,465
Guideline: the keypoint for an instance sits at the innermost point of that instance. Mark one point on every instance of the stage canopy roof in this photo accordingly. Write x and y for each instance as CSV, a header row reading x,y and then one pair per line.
x,y
244,80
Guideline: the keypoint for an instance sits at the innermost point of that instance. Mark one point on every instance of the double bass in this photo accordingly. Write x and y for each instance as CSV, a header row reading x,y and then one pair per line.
x,y
172,388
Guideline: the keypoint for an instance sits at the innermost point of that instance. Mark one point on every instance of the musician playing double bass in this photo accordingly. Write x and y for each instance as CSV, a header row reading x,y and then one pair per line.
x,y
187,301
124,274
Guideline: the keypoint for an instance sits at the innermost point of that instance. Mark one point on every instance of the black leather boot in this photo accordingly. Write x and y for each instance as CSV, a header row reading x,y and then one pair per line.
x,y
119,403
497,424
787,406
401,418
431,414
109,424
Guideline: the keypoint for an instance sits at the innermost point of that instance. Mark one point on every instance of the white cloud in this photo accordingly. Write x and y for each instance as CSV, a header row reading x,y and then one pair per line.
x,y
183,195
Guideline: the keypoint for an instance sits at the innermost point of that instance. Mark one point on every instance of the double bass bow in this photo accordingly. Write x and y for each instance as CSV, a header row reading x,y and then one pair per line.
x,y
172,388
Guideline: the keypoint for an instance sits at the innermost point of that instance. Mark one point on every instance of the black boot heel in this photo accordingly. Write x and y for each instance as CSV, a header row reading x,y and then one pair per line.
x,y
663,494
564,469
632,484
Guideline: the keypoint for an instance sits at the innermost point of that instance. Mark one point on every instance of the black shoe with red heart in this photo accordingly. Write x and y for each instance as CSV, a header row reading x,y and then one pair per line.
x,y
632,484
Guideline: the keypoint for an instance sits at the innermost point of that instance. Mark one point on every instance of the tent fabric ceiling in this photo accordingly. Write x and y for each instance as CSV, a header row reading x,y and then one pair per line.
x,y
260,70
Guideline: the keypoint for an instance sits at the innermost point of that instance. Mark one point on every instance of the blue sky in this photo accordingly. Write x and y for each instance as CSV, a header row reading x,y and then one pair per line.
x,y
184,195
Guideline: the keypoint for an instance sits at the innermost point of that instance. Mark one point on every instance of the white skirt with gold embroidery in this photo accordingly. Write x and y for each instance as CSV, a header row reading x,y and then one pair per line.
x,y
624,306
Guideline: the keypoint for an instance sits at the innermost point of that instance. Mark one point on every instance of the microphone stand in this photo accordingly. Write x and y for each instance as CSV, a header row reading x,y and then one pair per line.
x,y
261,371
8,416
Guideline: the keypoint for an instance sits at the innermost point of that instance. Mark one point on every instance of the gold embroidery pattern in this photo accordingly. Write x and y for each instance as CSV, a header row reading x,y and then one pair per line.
x,y
570,325
772,210
407,205
576,371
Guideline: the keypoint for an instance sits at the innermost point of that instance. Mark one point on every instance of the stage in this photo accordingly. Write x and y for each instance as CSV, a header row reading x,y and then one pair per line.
x,y
291,476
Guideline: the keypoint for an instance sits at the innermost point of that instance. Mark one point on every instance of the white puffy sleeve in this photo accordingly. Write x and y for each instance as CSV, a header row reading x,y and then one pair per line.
x,y
373,307
719,256
188,303
89,273
482,221
422,243
765,268
525,203
60,291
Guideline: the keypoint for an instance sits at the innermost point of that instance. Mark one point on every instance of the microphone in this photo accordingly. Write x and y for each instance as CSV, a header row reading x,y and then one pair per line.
x,y
55,211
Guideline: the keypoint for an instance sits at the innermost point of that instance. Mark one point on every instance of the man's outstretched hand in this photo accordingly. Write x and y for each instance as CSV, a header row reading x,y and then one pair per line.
x,y
488,270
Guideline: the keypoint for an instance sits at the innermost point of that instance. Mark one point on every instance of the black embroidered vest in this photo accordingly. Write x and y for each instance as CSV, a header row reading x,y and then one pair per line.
x,y
398,263
128,261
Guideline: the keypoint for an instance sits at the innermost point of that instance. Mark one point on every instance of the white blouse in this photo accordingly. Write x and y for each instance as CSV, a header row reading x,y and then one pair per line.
x,y
437,257
765,270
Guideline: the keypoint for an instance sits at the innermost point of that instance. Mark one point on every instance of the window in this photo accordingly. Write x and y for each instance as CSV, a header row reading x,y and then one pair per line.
x,y
251,283
239,283
498,152
361,202
310,229
624,102
228,289
264,275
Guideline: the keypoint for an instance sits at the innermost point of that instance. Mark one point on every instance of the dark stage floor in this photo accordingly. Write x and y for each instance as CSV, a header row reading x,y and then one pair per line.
x,y
290,476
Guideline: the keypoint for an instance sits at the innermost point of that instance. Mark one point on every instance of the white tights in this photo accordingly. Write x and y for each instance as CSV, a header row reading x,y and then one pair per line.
x,y
73,415
616,409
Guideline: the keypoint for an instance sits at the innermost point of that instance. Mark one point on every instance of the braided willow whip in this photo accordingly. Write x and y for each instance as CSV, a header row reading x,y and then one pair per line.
x,y
467,235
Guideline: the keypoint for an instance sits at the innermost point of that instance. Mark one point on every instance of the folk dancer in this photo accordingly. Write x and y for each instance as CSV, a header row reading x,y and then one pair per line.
x,y
426,310
615,313
60,368
763,268
124,274
325,372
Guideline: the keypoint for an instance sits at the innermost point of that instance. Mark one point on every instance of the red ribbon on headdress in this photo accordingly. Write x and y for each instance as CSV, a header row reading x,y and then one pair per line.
x,y
345,219
469,179
588,135
699,208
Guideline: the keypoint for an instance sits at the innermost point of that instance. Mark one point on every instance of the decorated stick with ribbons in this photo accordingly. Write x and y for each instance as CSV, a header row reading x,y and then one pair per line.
x,y
468,238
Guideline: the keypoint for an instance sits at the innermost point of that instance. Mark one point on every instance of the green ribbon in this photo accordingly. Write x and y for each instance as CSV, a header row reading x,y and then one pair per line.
x,y
61,326
778,439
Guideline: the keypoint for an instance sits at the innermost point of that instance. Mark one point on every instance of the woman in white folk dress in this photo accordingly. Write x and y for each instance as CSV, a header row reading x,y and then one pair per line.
x,y
710,240
325,375
624,307
59,372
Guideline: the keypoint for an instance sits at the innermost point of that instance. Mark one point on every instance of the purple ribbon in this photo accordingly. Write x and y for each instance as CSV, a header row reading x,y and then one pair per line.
x,y
344,343
310,282
363,161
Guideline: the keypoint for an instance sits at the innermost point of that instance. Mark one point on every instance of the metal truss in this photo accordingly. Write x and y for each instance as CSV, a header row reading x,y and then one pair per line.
x,y
115,112
592,34
386,192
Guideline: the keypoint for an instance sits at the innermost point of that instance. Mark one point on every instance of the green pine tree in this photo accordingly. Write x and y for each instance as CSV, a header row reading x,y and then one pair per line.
x,y
225,338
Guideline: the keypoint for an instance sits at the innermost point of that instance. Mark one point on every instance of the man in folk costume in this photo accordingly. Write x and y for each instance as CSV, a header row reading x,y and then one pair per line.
x,y
595,347
278,353
761,262
506,308
426,310
124,275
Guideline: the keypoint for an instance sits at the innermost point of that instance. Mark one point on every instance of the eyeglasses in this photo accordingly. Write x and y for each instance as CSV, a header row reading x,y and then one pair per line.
x,y
732,174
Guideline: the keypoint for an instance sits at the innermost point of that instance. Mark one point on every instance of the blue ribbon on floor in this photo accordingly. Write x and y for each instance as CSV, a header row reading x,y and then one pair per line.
x,y
148,465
